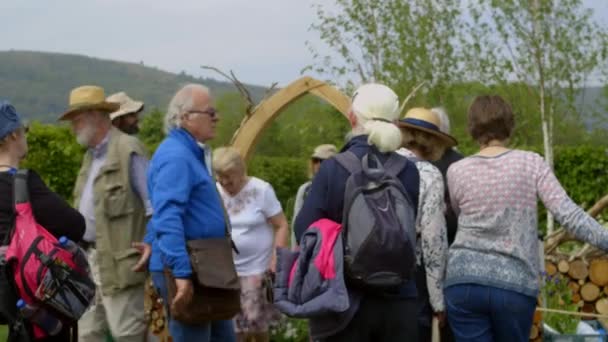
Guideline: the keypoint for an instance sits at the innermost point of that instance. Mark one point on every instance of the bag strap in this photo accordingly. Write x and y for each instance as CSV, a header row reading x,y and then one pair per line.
x,y
20,191
20,195
349,161
395,164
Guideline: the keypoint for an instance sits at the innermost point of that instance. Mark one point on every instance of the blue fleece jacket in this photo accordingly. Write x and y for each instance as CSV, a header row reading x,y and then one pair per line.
x,y
185,202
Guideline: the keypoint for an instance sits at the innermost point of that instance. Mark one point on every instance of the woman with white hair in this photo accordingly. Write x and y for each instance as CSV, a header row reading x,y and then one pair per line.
x,y
258,226
381,315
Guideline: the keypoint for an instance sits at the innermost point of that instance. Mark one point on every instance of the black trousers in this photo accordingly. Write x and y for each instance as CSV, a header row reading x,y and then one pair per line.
x,y
381,319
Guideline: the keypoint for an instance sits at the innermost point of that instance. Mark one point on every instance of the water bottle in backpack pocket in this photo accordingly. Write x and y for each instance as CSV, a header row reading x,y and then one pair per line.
x,y
67,290
39,316
48,273
379,223
78,255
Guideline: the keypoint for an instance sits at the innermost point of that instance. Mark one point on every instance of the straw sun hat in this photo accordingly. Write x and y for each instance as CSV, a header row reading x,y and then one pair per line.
x,y
87,98
425,120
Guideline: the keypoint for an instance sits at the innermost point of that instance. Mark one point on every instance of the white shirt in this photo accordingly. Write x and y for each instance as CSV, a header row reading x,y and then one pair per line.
x,y
249,211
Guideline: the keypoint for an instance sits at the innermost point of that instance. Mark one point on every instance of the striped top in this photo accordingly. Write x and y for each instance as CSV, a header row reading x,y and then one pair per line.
x,y
496,202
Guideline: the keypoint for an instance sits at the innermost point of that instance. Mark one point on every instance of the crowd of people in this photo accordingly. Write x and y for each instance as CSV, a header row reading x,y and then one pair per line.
x,y
476,246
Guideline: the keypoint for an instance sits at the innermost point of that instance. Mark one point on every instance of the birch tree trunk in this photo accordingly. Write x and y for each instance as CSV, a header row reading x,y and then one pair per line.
x,y
546,118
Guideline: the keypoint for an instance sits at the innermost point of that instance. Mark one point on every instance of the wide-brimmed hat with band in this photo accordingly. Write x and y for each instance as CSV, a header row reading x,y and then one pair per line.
x,y
427,121
127,105
87,98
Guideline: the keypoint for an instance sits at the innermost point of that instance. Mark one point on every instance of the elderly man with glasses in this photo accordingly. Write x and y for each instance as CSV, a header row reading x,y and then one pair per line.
x,y
186,206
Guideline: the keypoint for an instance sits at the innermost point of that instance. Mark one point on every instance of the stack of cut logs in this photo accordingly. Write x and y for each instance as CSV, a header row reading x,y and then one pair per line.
x,y
588,281
536,333
586,269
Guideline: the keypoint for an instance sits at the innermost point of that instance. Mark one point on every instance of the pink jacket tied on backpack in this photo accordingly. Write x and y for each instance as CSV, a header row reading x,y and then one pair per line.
x,y
45,273
310,282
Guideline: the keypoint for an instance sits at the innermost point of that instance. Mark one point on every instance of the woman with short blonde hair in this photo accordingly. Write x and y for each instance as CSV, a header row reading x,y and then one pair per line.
x,y
258,227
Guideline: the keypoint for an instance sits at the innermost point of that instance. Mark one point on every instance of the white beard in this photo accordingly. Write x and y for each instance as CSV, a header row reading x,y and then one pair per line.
x,y
85,136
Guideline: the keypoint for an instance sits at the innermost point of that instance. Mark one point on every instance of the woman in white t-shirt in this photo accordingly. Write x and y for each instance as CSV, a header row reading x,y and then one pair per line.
x,y
258,226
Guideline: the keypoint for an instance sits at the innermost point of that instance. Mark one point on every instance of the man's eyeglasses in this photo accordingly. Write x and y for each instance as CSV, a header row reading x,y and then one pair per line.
x,y
212,112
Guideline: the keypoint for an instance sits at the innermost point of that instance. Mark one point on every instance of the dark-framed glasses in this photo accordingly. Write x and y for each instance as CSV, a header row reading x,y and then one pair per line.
x,y
212,112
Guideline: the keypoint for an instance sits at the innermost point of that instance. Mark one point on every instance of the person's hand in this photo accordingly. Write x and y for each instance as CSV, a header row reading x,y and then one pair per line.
x,y
145,250
440,318
183,294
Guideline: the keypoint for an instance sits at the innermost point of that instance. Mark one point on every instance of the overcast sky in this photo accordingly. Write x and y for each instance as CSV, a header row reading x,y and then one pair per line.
x,y
262,41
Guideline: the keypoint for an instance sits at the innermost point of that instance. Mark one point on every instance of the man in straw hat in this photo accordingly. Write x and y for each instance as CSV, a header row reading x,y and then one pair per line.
x,y
320,154
126,118
423,141
373,314
111,194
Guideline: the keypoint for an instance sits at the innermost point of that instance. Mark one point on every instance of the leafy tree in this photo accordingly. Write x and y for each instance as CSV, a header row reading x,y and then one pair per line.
x,y
551,46
399,43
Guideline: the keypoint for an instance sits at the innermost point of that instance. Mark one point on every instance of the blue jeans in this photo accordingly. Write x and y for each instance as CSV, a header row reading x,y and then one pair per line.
x,y
216,331
485,313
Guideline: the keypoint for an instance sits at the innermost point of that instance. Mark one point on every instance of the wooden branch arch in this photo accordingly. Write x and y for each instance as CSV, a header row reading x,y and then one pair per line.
x,y
251,128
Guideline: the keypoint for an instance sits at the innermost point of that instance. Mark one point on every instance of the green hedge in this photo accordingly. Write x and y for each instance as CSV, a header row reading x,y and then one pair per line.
x,y
285,174
55,155
582,171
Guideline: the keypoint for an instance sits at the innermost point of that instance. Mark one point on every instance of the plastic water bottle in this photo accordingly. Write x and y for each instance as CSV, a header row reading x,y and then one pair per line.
x,y
79,257
40,317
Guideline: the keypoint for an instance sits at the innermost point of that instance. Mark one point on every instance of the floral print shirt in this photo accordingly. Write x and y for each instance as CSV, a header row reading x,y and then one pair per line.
x,y
432,241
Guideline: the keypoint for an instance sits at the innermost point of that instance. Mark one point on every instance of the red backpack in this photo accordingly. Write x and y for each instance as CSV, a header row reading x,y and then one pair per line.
x,y
47,274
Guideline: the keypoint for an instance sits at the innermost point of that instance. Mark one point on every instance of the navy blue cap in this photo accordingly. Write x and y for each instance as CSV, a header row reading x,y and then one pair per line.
x,y
9,119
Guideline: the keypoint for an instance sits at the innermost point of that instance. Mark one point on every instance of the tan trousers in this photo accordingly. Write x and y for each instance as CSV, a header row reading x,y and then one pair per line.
x,y
122,313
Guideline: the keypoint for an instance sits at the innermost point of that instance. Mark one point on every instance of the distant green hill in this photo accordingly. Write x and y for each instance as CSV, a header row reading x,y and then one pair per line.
x,y
38,83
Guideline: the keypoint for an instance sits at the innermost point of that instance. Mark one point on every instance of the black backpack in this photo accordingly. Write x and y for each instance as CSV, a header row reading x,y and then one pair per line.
x,y
379,222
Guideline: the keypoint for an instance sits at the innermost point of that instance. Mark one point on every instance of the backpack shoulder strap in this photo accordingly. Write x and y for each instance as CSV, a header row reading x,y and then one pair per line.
x,y
349,161
395,164
20,190
20,195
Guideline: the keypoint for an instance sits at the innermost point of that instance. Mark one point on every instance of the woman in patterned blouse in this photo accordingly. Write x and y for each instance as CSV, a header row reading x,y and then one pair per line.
x,y
423,142
492,278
